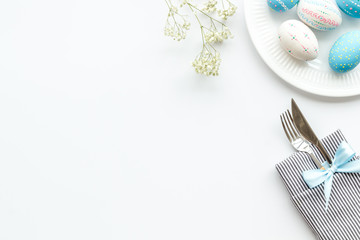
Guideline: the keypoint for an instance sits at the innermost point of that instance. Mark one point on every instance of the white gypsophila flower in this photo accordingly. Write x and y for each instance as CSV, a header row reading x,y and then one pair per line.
x,y
214,36
207,63
176,32
186,25
173,10
173,28
226,33
183,3
225,13
210,6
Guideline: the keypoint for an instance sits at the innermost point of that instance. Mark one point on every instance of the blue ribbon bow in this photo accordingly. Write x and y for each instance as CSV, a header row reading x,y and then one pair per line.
x,y
341,164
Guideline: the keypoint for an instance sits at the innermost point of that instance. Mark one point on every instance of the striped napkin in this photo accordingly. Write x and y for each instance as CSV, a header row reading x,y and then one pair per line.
x,y
342,219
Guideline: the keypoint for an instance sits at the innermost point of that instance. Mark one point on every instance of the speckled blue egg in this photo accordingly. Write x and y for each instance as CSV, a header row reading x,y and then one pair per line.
x,y
282,5
350,7
345,53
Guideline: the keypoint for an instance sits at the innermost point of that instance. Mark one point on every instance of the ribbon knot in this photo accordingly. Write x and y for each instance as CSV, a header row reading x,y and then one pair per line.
x,y
341,164
333,169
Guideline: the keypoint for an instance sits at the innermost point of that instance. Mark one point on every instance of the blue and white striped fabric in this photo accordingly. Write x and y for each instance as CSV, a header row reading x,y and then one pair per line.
x,y
342,219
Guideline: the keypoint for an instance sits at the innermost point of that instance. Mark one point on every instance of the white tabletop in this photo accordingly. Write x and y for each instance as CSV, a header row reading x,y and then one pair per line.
x,y
106,132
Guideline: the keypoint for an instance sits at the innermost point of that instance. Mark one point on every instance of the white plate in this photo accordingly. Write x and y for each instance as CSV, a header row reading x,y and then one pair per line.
x,y
315,76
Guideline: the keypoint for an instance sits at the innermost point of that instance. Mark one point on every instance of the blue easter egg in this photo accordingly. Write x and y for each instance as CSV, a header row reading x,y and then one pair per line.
x,y
350,7
282,5
345,53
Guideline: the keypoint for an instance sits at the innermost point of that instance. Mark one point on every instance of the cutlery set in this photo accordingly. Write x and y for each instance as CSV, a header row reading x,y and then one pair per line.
x,y
327,195
300,134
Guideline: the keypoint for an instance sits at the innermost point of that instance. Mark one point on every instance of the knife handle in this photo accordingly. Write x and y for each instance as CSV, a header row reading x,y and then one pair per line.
x,y
316,161
323,152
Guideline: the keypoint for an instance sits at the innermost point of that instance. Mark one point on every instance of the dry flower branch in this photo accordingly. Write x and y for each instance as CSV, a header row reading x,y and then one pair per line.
x,y
208,60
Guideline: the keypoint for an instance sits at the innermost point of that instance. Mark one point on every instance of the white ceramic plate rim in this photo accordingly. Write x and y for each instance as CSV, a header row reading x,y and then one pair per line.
x,y
281,71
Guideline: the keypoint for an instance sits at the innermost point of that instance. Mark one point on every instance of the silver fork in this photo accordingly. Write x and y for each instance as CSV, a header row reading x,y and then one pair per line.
x,y
295,138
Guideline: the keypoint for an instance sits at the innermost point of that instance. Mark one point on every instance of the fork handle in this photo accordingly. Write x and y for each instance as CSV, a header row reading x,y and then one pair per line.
x,y
316,160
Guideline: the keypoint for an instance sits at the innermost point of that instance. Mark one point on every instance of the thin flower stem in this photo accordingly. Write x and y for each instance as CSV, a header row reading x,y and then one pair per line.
x,y
212,19
201,26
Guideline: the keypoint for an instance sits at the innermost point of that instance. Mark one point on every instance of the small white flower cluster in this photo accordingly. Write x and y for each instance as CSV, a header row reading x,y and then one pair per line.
x,y
225,13
173,10
183,2
174,29
176,32
186,25
207,63
210,6
214,36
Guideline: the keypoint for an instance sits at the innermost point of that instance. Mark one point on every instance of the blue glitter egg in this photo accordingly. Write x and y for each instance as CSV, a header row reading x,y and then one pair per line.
x,y
282,5
350,7
345,53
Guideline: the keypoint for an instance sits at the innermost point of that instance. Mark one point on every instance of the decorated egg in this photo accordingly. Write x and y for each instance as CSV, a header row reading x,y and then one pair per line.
x,y
323,15
282,5
298,40
345,53
350,7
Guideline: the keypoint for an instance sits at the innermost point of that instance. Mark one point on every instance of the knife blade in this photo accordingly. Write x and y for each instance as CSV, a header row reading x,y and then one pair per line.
x,y
306,131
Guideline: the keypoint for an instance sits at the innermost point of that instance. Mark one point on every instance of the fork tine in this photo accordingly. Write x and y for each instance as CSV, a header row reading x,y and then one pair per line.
x,y
287,126
291,123
285,130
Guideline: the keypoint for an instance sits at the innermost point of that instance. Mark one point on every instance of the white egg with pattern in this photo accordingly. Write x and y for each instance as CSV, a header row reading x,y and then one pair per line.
x,y
298,40
322,15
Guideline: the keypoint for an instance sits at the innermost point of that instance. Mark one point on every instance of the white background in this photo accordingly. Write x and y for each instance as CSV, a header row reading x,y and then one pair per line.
x,y
106,132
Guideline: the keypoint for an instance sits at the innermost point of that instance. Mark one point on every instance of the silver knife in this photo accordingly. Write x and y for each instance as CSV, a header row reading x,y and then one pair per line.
x,y
304,128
